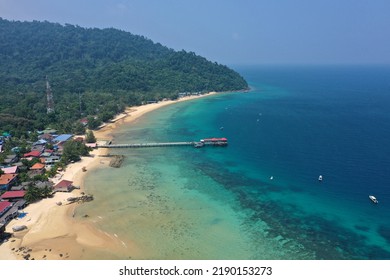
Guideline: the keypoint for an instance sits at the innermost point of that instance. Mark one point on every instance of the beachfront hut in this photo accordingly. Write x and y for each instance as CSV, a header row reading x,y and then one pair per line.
x,y
7,181
63,186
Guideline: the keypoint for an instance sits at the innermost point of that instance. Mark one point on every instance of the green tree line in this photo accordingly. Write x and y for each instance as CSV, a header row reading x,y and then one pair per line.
x,y
92,72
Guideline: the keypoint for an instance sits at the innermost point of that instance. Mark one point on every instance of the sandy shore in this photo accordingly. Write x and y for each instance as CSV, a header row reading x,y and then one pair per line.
x,y
52,231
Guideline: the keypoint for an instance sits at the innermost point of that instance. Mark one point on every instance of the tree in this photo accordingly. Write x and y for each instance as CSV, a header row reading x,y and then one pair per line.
x,y
93,122
32,194
111,68
78,128
90,137
73,150
46,191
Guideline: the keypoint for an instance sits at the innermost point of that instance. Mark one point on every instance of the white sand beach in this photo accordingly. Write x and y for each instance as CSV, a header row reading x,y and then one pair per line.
x,y
52,231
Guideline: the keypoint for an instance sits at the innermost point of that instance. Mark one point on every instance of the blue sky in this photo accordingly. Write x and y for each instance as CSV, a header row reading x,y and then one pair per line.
x,y
236,32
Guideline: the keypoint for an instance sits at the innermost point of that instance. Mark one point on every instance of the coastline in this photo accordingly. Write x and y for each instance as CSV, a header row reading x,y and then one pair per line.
x,y
52,231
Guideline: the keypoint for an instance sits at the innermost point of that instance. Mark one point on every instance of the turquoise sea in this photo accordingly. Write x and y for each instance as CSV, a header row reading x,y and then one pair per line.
x,y
258,198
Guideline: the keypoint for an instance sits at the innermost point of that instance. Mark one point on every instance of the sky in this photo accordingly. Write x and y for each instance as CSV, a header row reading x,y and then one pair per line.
x,y
235,32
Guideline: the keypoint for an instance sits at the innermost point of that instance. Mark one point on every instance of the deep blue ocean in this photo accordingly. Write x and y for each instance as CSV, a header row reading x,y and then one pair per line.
x,y
296,123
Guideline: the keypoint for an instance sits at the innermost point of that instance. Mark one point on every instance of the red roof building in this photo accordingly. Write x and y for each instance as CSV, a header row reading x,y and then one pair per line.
x,y
63,186
4,206
12,195
32,154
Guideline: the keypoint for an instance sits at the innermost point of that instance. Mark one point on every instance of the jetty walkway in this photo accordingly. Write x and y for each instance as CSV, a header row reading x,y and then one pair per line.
x,y
221,142
147,145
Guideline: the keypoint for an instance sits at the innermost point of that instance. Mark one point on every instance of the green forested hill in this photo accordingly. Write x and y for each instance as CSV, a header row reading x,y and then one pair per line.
x,y
92,72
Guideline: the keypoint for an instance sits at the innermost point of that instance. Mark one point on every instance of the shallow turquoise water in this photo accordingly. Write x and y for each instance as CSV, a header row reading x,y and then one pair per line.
x,y
220,203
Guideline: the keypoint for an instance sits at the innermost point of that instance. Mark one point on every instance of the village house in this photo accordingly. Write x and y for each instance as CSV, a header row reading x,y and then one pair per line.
x,y
44,184
36,169
46,136
17,188
7,212
62,138
11,159
48,131
47,153
7,181
4,206
63,186
13,196
10,170
40,142
33,154
79,139
49,161
84,121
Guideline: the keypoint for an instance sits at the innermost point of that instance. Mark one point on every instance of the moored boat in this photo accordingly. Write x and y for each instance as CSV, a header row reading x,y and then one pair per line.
x,y
198,144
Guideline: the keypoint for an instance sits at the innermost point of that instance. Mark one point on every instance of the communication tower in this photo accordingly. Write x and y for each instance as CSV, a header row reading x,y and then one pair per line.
x,y
49,96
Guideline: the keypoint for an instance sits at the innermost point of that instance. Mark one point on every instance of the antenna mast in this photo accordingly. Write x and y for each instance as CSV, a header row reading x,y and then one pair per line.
x,y
49,96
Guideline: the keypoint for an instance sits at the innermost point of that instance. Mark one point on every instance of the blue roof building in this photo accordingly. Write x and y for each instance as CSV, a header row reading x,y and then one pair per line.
x,y
62,138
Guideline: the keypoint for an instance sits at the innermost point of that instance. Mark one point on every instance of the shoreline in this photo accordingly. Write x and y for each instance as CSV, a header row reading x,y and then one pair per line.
x,y
52,231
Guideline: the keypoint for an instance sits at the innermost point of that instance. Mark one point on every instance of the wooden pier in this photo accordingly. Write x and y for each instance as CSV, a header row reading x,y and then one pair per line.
x,y
197,144
147,145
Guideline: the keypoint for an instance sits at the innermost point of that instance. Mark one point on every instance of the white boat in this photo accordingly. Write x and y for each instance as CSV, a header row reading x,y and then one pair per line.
x,y
198,144
320,178
373,199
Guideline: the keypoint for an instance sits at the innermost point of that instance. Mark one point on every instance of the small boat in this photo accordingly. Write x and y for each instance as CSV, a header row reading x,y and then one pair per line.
x,y
373,199
198,144
271,178
320,178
